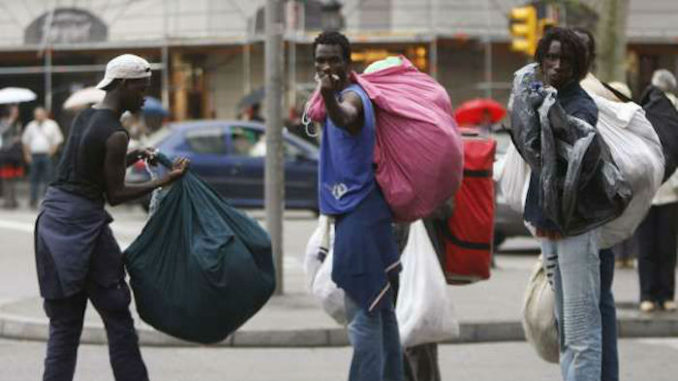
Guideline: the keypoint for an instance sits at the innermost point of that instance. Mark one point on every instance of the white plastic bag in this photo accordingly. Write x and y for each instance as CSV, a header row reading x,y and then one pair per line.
x,y
514,179
318,268
637,151
424,311
539,319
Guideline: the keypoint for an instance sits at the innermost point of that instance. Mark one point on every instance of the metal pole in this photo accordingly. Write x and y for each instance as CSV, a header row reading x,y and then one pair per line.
x,y
275,162
165,77
488,52
46,47
165,59
433,51
48,79
247,76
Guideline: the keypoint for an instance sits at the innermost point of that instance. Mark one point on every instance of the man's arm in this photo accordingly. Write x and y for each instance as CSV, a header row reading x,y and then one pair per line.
x,y
57,138
117,191
25,143
347,113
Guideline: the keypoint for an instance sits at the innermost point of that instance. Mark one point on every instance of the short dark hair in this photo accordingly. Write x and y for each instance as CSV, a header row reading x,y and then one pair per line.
x,y
591,46
569,41
334,38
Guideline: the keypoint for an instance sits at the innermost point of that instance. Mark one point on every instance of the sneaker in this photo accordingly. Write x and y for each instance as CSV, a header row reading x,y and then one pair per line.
x,y
647,306
669,305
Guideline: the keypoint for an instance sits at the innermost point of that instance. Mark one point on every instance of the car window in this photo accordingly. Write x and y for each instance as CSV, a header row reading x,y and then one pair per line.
x,y
249,142
207,141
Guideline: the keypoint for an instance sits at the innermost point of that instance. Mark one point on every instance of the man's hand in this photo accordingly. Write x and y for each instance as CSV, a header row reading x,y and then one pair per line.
x,y
178,170
147,154
328,83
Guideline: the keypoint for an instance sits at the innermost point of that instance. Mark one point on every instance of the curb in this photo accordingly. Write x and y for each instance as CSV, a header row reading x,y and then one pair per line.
x,y
22,328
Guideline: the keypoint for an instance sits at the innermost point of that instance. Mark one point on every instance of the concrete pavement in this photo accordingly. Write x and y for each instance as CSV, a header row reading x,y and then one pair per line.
x,y
488,311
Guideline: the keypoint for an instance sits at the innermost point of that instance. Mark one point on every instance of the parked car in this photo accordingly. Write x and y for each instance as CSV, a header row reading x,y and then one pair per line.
x,y
507,222
230,156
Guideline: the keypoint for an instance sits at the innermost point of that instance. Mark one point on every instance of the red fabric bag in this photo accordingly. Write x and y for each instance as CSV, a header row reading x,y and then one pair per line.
x,y
470,230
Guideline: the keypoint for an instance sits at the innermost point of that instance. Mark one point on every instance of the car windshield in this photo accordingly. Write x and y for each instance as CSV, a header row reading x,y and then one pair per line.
x,y
157,137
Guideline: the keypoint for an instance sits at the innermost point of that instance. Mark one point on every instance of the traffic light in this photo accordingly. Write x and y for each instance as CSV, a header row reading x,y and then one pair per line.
x,y
524,29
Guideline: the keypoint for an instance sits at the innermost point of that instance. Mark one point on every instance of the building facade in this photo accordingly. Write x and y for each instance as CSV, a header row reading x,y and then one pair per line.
x,y
207,55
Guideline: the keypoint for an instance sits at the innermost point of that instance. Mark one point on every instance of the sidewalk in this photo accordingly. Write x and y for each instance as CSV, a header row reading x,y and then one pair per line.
x,y
488,311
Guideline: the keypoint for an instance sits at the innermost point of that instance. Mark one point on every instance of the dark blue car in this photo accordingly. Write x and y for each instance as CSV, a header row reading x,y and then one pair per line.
x,y
230,156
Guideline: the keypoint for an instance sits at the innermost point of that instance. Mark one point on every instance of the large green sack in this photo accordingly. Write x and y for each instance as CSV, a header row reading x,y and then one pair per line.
x,y
200,268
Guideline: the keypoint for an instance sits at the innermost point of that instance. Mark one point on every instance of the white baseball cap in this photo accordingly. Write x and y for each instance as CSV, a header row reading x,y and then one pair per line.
x,y
126,66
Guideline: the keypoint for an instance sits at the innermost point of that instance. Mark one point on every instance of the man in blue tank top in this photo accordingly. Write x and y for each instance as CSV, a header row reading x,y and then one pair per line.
x,y
366,263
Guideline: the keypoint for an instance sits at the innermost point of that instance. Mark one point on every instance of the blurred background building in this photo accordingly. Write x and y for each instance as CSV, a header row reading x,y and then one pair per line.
x,y
207,55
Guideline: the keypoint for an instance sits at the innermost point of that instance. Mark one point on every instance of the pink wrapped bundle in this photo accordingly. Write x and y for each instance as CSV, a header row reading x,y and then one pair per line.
x,y
418,152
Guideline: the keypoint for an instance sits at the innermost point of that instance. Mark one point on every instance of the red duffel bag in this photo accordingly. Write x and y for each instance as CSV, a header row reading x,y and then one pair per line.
x,y
469,232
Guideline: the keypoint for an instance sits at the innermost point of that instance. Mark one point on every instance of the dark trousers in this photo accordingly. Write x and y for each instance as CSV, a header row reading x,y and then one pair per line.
x,y
608,317
421,363
40,176
66,318
657,253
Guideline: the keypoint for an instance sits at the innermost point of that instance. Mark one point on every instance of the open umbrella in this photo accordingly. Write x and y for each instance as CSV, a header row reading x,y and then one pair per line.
x,y
83,98
153,106
256,96
479,111
16,95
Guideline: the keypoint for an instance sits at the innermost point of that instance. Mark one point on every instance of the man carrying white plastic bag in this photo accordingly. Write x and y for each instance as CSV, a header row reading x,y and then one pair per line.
x,y
424,310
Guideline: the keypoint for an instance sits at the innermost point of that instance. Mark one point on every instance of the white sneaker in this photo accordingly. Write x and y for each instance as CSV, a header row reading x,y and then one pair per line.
x,y
669,305
647,306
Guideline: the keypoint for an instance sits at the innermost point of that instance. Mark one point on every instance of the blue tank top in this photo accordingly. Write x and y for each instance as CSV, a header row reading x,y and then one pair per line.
x,y
347,162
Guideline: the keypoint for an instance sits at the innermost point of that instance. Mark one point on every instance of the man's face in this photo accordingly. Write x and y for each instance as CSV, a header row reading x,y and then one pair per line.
x,y
329,60
557,66
40,114
134,91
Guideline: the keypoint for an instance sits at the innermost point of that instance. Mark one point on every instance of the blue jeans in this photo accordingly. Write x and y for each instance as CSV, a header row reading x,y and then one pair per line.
x,y
377,354
573,266
41,173
608,314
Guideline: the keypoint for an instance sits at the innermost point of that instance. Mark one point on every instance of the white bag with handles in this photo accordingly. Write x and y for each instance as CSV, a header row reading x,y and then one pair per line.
x,y
318,269
539,316
637,151
423,308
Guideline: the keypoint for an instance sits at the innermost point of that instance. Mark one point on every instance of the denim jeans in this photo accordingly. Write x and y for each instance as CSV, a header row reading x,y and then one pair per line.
x,y
377,354
573,266
41,174
608,313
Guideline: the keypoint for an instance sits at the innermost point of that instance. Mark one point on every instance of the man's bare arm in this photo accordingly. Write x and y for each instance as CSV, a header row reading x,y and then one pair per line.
x,y
117,192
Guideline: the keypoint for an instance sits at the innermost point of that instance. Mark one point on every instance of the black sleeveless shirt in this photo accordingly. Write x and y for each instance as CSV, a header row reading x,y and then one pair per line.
x,y
81,168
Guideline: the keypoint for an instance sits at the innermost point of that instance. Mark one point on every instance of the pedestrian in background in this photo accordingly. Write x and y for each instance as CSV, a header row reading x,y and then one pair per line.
x,y
40,140
11,156
657,233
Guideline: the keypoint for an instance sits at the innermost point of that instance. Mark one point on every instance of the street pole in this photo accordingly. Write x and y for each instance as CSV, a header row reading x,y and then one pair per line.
x,y
433,48
611,40
274,172
488,52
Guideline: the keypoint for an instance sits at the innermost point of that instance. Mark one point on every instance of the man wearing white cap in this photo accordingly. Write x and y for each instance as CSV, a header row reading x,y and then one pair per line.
x,y
77,256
